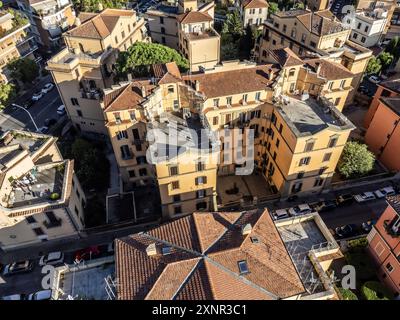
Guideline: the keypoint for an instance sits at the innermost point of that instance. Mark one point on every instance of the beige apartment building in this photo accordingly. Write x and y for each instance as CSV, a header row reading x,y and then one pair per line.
x,y
187,28
298,139
315,35
14,41
40,198
49,19
85,66
253,12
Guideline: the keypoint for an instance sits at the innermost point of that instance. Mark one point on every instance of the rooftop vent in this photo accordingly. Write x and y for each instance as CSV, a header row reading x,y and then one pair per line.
x,y
246,229
243,268
151,249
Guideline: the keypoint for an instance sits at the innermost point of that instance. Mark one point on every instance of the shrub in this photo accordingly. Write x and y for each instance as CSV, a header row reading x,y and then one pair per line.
x,y
347,294
374,290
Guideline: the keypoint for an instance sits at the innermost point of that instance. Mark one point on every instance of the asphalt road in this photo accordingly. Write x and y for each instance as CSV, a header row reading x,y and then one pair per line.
x,y
43,109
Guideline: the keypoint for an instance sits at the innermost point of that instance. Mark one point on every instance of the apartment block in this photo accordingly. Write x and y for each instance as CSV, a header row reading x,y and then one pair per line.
x,y
41,198
14,41
49,19
187,28
315,35
250,261
253,12
317,5
85,66
384,245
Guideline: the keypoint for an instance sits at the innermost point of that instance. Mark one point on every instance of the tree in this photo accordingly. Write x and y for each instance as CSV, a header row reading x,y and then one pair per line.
x,y
24,70
385,59
298,5
7,93
273,8
374,66
97,5
141,55
233,25
356,160
393,46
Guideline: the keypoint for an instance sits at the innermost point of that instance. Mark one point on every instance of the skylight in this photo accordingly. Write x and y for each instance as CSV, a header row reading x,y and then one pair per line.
x,y
166,250
254,240
243,268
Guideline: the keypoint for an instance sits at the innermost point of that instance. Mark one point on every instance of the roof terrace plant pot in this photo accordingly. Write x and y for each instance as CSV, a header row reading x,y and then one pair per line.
x,y
54,196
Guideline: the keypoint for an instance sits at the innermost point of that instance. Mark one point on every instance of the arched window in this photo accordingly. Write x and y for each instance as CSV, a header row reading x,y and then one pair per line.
x,y
292,72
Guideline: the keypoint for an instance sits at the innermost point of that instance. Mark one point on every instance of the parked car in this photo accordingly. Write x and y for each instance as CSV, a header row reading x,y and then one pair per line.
x,y
300,210
43,129
346,231
61,110
52,258
47,87
16,296
384,192
374,79
37,96
326,205
18,267
40,295
292,198
87,253
344,199
367,226
280,214
28,104
365,196
50,122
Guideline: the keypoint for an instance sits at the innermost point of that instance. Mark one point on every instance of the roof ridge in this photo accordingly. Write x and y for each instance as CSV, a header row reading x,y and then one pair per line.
x,y
195,267
129,85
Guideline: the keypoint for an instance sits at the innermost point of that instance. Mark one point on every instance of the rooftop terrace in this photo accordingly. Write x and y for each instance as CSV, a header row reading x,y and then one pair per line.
x,y
307,116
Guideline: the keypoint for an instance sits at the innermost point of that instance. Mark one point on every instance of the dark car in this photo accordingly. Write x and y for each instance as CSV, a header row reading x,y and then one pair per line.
x,y
28,104
292,198
18,267
326,205
344,199
87,253
50,122
346,231
367,226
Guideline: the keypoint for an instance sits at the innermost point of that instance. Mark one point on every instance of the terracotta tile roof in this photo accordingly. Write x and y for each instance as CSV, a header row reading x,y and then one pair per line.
x,y
166,72
320,22
205,249
285,57
250,4
329,69
194,17
226,83
98,26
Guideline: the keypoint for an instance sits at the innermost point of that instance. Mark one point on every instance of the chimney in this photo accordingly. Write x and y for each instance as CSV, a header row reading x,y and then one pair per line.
x,y
197,85
77,22
129,77
246,229
270,73
151,249
143,91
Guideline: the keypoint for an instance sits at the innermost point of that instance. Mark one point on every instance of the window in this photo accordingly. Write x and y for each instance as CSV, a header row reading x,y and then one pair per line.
x,y
332,142
355,35
228,100
359,25
274,156
322,170
141,160
135,133
389,267
162,20
228,118
277,143
201,205
243,268
303,38
297,187
38,231
366,28
163,41
200,194
274,42
173,171
362,39
342,83
337,101
131,173
282,40
200,166
284,28
74,102
170,89
143,172
327,156
162,30
305,161
166,250
258,96
123,34
122,134
215,121
330,85
129,28
175,185
309,146
177,198
200,180
244,98
216,102
116,39
300,175
30,219
318,182
117,117
280,128
313,44
273,118
292,72
132,115
177,209
79,112
125,152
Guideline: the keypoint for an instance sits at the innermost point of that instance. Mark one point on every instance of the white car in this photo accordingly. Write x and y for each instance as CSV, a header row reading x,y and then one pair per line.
x,y
12,297
366,196
300,210
384,192
61,110
40,295
52,258
47,87
280,214
374,79
43,130
37,96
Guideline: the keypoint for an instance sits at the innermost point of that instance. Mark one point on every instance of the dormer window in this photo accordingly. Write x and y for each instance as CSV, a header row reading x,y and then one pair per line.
x,y
243,268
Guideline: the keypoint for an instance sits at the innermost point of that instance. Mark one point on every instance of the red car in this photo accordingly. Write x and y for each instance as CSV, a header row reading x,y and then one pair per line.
x,y
87,253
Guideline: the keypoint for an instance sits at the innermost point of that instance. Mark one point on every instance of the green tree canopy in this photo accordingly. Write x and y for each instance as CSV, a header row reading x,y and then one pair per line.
x,y
374,66
385,59
393,47
356,160
141,55
7,93
233,25
24,70
97,5
273,8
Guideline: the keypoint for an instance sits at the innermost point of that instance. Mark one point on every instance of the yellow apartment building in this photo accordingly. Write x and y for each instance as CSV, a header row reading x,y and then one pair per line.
x,y
40,198
314,35
14,41
188,28
85,66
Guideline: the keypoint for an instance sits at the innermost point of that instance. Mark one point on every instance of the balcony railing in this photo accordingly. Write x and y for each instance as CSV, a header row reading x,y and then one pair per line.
x,y
93,94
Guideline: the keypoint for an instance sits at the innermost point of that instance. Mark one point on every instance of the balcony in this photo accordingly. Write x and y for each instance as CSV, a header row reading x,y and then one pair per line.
x,y
92,94
201,34
47,10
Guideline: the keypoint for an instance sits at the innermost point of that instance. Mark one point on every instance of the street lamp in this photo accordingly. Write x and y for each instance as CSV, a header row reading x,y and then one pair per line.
x,y
33,121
